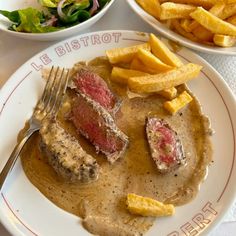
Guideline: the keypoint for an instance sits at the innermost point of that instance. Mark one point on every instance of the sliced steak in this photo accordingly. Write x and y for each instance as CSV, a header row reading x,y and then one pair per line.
x,y
165,145
93,86
65,153
98,126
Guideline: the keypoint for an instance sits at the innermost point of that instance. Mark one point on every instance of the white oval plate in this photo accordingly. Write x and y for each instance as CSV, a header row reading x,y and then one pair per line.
x,y
61,34
164,30
26,212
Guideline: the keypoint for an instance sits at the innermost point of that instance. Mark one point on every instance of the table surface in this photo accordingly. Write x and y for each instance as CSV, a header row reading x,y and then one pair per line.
x,y
15,51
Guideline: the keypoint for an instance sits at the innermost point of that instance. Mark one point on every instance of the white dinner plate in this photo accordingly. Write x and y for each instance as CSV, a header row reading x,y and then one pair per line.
x,y
26,212
57,35
168,33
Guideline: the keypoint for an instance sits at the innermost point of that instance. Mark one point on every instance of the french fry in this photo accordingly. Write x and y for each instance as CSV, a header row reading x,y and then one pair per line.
x,y
149,60
121,75
136,64
203,34
177,103
168,93
224,40
125,55
185,24
165,80
191,25
181,31
204,3
217,8
232,20
228,11
213,23
151,6
160,50
171,10
147,206
231,1
199,31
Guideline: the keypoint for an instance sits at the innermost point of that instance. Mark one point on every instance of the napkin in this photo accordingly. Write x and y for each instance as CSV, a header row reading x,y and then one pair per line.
x,y
225,65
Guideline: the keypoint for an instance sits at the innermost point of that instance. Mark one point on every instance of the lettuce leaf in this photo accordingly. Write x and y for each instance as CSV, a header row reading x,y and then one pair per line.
x,y
76,12
102,3
28,20
12,16
53,3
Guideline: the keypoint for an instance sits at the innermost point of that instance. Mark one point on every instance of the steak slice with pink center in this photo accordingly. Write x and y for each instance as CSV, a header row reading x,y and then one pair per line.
x,y
98,126
93,86
165,145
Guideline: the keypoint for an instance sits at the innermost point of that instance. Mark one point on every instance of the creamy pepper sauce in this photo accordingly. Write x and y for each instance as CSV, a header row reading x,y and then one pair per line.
x,y
102,204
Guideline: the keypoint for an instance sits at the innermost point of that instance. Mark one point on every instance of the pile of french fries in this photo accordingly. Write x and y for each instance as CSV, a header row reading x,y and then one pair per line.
x,y
152,68
211,22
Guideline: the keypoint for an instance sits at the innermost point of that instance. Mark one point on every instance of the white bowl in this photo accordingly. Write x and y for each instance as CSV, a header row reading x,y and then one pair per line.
x,y
164,30
61,34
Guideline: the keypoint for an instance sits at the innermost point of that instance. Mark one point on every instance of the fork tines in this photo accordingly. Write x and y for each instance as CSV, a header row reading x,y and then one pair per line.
x,y
54,91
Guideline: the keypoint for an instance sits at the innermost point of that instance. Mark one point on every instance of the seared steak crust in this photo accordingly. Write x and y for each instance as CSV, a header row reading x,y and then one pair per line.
x,y
98,126
93,86
65,154
165,145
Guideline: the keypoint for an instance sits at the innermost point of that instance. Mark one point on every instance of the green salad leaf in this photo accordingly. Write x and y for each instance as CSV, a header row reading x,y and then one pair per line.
x,y
82,4
28,20
102,3
53,3
76,12
49,3
56,17
12,16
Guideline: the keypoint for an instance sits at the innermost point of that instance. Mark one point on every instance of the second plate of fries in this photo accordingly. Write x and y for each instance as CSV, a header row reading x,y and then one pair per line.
x,y
204,25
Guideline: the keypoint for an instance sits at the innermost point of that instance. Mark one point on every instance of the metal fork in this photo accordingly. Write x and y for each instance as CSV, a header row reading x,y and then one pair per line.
x,y
47,106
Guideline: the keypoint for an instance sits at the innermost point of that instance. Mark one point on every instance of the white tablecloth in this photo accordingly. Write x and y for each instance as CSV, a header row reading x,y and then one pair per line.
x,y
15,51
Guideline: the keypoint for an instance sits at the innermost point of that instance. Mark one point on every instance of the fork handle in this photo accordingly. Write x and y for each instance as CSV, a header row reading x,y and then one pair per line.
x,y
13,157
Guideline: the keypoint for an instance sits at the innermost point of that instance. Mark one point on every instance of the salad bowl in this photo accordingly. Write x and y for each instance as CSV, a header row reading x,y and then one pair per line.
x,y
48,20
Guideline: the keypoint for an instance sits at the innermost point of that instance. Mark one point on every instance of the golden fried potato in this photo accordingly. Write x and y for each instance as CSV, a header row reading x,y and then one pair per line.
x,y
232,20
191,25
151,6
217,9
121,75
179,102
180,30
204,3
148,207
168,93
200,32
160,50
171,10
224,40
136,64
125,55
165,80
228,11
203,34
185,24
213,23
151,61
